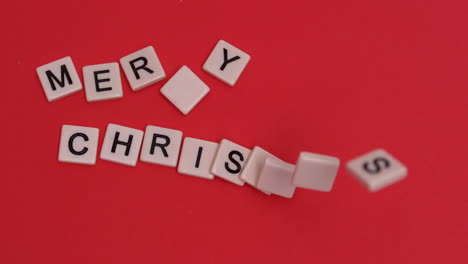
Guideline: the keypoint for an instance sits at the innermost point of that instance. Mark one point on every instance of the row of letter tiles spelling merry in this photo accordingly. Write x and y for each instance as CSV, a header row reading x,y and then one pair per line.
x,y
201,158
142,68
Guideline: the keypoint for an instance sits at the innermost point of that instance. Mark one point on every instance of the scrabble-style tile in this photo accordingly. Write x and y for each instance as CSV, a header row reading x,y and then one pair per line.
x,y
196,157
121,144
253,167
229,161
161,146
276,177
377,169
78,144
59,78
226,62
102,82
142,68
315,171
185,90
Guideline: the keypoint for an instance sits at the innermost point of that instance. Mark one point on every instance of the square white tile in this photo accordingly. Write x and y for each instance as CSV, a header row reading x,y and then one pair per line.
x,y
377,169
253,166
315,171
121,144
102,82
276,177
161,146
226,62
196,157
59,78
142,68
229,161
78,144
185,90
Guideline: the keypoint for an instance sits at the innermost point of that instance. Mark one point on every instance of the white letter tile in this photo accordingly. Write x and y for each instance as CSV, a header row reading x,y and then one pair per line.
x,y
315,171
59,78
102,82
253,167
196,157
229,161
377,169
185,90
142,68
161,146
121,144
226,62
78,144
276,177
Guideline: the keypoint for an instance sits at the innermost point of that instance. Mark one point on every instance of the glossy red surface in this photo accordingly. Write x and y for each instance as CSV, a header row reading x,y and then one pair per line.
x,y
334,77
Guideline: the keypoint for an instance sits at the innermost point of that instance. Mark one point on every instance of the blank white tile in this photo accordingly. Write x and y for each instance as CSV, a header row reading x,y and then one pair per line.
x,y
377,169
78,144
252,169
316,171
59,78
226,62
142,68
102,82
276,177
196,157
161,146
121,144
229,161
185,90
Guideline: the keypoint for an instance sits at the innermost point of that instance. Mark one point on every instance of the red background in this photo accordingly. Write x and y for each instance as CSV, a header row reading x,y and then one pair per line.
x,y
334,77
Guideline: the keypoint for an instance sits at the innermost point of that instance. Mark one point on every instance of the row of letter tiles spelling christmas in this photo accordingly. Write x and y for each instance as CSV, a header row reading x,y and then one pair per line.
x,y
142,68
227,160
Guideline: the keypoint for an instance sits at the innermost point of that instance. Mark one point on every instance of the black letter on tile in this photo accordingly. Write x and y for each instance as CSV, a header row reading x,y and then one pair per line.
x,y
379,163
197,163
97,81
70,144
135,69
63,74
162,146
226,60
127,144
231,158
